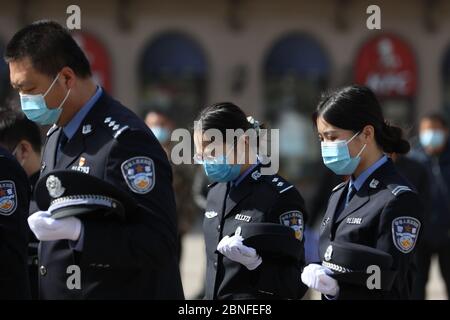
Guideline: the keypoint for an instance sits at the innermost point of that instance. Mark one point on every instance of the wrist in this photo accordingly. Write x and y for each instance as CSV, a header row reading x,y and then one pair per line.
x,y
77,231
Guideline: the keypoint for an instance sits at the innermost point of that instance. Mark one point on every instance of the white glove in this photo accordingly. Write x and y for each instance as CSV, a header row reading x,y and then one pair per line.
x,y
317,277
234,249
48,229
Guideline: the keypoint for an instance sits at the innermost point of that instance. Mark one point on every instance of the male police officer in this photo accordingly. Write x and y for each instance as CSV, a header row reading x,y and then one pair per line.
x,y
97,135
14,201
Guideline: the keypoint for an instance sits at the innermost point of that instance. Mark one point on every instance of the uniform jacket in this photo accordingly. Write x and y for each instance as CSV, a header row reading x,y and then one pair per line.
x,y
134,259
257,198
385,214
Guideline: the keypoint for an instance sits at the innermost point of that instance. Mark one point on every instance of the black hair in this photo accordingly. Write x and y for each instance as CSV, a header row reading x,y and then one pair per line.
x,y
50,47
353,108
226,115
437,117
223,116
14,127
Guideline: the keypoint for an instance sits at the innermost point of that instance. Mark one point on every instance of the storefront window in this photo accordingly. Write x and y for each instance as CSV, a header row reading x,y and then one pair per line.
x,y
173,75
296,71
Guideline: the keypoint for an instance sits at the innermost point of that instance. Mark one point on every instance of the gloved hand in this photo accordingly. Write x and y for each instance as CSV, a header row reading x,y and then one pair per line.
x,y
317,277
48,229
234,249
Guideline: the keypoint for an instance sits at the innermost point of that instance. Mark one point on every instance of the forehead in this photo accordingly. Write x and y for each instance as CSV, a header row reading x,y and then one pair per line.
x,y
431,123
203,141
323,126
22,70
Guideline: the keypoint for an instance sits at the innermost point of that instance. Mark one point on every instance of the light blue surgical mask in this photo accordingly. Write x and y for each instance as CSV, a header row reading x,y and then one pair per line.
x,y
221,171
336,156
35,108
432,138
218,169
161,133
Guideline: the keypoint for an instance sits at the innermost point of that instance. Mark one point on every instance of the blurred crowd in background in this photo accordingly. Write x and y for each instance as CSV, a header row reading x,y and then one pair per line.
x,y
272,58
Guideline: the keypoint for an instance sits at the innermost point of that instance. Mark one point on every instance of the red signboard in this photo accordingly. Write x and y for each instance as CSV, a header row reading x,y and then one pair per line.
x,y
98,58
387,65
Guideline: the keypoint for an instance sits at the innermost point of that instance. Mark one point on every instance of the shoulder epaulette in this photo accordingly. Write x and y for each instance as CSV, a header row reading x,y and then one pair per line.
x,y
397,189
115,128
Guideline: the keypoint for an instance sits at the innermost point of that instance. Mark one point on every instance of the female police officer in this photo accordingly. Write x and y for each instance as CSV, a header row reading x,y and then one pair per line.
x,y
242,196
376,207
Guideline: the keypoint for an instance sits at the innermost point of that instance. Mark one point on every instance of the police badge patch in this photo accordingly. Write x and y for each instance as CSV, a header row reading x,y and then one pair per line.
x,y
294,220
405,231
139,174
8,197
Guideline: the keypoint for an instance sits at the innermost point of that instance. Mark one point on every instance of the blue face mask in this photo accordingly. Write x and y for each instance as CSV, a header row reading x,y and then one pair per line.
x,y
432,138
161,133
336,156
35,108
220,171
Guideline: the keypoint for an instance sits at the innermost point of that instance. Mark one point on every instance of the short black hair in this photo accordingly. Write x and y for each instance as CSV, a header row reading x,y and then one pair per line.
x,y
435,117
14,127
50,47
354,107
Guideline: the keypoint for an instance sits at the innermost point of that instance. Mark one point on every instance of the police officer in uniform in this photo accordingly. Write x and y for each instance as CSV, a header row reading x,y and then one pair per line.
x,y
376,207
22,138
14,202
97,135
242,194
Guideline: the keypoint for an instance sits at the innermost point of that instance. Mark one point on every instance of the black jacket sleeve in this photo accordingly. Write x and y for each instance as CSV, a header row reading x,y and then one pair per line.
x,y
147,236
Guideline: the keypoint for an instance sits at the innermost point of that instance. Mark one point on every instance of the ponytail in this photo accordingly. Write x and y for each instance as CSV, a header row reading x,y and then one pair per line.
x,y
390,139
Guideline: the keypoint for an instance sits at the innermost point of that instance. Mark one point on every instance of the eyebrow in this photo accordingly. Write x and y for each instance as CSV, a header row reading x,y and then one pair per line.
x,y
17,85
329,132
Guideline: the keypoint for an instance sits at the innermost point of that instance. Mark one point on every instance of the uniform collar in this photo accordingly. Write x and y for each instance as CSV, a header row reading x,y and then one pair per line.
x,y
359,182
245,174
71,128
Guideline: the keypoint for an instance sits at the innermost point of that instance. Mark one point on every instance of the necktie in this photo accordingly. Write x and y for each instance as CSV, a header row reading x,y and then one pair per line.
x,y
62,142
350,194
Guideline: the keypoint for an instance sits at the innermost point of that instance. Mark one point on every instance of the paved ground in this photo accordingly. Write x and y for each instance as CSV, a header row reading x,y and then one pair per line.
x,y
193,268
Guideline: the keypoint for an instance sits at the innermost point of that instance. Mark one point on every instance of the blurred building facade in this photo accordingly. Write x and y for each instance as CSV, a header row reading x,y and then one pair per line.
x,y
273,58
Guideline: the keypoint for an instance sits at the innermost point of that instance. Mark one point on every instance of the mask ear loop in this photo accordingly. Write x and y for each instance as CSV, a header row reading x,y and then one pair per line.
x,y
359,153
67,96
53,83
362,149
356,134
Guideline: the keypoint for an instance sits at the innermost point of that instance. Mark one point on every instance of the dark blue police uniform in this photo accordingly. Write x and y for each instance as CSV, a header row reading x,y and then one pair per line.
x,y
252,198
133,259
383,212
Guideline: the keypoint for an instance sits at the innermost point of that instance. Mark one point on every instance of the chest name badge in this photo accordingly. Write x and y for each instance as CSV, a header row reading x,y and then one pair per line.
x,y
82,166
354,220
139,174
243,217
8,197
210,214
405,231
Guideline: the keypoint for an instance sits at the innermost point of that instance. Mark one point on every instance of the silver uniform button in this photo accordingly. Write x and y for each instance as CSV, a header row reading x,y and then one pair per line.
x,y
42,270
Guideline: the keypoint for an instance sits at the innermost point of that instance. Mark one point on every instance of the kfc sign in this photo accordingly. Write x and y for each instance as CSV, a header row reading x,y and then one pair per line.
x,y
386,65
